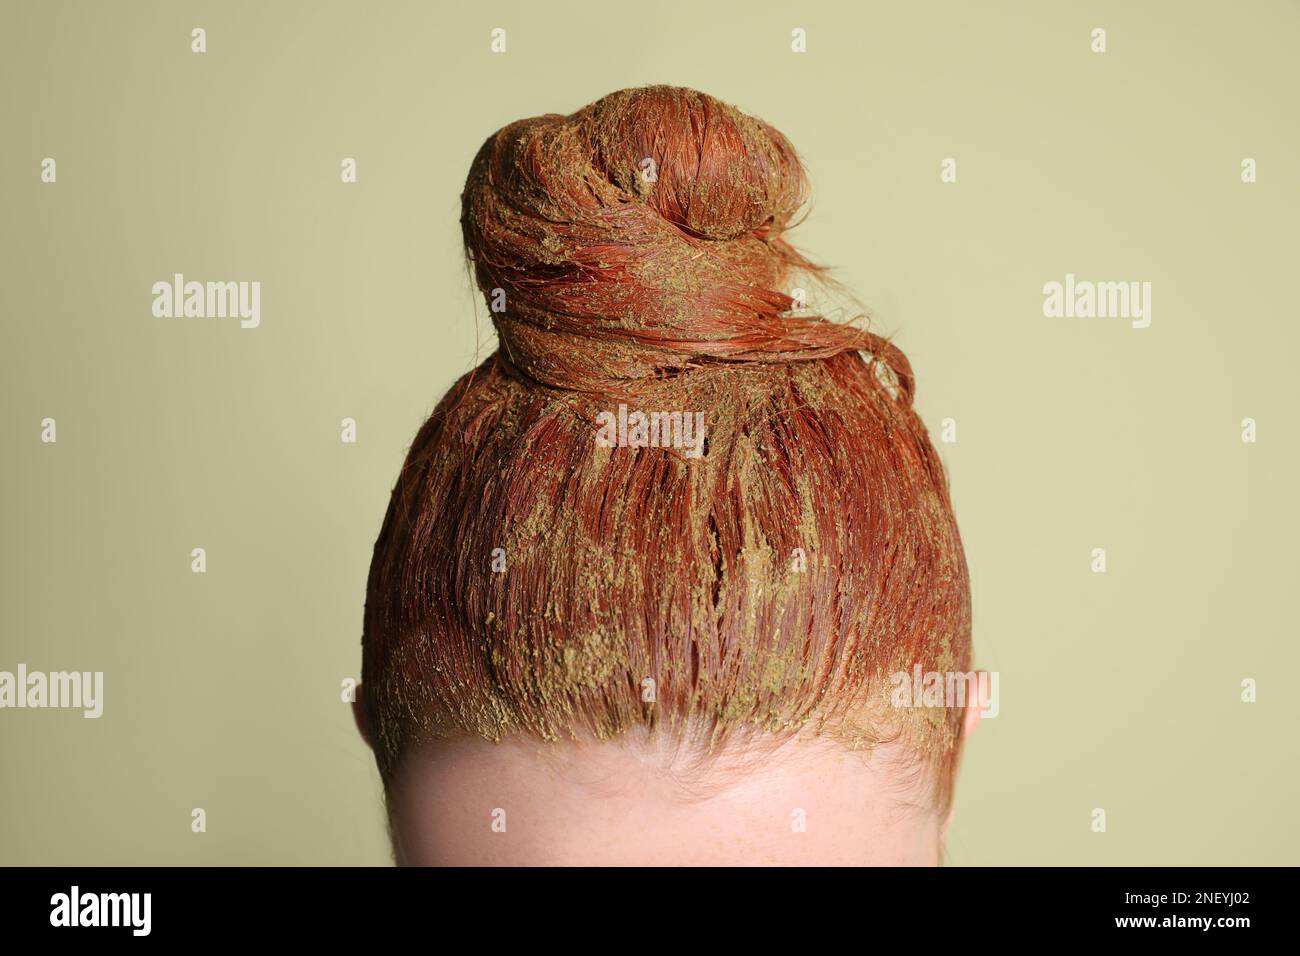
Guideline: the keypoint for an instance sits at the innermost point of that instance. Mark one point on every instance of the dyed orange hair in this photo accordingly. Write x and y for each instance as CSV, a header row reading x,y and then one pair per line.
x,y
528,580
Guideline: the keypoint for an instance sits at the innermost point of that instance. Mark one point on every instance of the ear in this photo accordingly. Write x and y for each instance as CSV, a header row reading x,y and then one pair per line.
x,y
359,715
970,720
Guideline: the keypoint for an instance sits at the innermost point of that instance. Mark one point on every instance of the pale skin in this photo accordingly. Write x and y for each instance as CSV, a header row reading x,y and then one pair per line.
x,y
636,802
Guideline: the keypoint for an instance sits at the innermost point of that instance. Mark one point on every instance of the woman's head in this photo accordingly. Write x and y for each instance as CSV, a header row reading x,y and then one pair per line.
x,y
675,510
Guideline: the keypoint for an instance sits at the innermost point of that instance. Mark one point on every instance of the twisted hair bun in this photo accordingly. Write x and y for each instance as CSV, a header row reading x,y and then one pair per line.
x,y
641,235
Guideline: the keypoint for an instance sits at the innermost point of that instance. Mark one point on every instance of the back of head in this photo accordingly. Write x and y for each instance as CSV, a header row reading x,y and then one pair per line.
x,y
673,503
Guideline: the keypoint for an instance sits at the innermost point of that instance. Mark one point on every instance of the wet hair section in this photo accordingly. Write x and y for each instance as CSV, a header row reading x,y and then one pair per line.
x,y
673,500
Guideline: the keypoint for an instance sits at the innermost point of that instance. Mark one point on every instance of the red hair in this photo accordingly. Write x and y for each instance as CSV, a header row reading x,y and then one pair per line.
x,y
528,580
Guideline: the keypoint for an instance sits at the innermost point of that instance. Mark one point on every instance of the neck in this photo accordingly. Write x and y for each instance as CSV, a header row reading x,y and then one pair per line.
x,y
637,802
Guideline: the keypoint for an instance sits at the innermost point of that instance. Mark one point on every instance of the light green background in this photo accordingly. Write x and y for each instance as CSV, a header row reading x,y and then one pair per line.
x,y
1118,691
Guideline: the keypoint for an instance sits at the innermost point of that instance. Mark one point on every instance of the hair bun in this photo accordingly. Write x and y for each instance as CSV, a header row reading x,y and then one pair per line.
x,y
643,234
